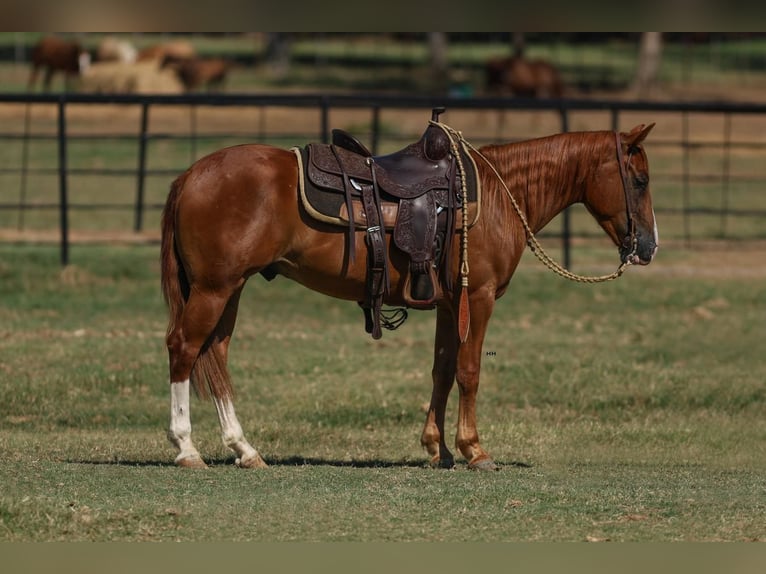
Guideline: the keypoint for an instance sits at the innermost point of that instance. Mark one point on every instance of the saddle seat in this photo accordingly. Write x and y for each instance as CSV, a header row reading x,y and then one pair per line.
x,y
413,193
408,173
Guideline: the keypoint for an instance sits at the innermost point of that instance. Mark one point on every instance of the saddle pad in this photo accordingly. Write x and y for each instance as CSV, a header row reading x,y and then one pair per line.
x,y
329,205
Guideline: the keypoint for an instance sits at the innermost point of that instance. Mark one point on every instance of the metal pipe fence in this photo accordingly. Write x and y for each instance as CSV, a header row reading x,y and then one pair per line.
x,y
683,151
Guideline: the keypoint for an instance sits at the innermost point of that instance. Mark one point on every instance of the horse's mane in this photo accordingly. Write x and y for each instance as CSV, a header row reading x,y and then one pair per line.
x,y
539,172
549,157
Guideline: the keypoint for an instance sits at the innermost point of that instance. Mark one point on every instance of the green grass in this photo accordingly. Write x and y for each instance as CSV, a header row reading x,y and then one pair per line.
x,y
630,411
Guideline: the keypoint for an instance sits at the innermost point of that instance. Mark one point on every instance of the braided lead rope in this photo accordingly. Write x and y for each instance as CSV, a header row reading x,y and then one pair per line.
x,y
532,242
464,269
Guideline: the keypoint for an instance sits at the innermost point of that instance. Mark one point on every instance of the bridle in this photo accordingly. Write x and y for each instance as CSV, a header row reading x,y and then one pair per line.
x,y
630,241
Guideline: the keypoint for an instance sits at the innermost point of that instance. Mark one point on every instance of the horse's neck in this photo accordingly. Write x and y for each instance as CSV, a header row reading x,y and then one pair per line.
x,y
545,175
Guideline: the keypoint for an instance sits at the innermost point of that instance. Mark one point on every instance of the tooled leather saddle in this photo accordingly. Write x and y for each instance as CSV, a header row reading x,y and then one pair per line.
x,y
415,194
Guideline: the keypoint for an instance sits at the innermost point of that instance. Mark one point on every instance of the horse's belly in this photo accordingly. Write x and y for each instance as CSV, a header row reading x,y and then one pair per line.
x,y
327,269
321,282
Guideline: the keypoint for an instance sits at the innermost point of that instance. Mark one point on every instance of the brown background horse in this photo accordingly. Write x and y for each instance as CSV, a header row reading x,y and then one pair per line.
x,y
520,76
236,213
53,54
195,73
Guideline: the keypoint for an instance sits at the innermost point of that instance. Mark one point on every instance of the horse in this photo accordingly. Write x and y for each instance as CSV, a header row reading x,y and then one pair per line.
x,y
112,49
55,54
195,73
158,52
523,77
237,212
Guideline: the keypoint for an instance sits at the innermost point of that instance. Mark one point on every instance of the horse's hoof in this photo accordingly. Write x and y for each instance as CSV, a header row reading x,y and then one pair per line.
x,y
191,462
251,462
483,464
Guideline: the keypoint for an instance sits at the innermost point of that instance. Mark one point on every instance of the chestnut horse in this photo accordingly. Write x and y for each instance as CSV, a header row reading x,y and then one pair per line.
x,y
522,77
237,212
194,73
54,54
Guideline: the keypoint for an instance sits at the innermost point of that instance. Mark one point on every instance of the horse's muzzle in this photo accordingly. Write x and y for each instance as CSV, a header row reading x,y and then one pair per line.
x,y
642,254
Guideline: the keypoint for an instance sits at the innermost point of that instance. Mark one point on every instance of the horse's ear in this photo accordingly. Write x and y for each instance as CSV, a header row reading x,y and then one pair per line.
x,y
636,135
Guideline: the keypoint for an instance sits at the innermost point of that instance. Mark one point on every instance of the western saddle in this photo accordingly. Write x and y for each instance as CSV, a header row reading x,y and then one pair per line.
x,y
414,193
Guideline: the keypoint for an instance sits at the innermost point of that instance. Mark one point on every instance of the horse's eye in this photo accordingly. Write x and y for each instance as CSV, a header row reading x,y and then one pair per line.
x,y
641,181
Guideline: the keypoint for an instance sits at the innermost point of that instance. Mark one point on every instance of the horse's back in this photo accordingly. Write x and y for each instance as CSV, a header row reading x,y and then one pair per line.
x,y
243,173
55,51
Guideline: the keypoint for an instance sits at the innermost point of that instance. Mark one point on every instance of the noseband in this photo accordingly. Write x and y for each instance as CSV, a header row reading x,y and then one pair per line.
x,y
630,241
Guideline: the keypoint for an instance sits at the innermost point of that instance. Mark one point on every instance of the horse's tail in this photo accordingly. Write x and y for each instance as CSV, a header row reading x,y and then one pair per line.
x,y
175,285
209,374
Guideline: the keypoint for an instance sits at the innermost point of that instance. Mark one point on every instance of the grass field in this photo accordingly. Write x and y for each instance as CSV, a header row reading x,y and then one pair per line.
x,y
631,411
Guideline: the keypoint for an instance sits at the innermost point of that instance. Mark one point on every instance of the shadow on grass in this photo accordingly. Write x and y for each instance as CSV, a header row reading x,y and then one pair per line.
x,y
292,461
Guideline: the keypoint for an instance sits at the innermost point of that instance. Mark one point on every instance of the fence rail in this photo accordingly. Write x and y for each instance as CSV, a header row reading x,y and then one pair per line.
x,y
683,173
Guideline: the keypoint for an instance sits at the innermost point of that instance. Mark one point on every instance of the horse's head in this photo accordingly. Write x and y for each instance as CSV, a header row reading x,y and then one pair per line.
x,y
620,199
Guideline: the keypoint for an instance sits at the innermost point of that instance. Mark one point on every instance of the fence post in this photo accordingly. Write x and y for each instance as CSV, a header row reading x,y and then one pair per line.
x,y
685,162
325,120
63,200
375,128
24,165
566,223
193,133
725,175
142,140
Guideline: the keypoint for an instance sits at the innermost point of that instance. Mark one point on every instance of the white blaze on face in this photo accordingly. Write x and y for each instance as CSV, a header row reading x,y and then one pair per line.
x,y
656,235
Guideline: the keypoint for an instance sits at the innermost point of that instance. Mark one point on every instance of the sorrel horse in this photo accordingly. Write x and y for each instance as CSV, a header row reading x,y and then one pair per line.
x,y
522,77
236,213
194,73
54,54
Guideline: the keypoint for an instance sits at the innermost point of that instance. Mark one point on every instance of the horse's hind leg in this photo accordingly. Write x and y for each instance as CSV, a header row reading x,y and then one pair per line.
x,y
47,78
200,317
202,336
179,431
443,374
33,77
231,430
194,343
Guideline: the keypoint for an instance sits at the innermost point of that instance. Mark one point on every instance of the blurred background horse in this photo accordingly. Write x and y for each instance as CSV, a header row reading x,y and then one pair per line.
x,y
518,76
53,54
195,73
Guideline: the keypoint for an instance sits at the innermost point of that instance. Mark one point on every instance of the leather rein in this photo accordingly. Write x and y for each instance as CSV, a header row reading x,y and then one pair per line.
x,y
630,241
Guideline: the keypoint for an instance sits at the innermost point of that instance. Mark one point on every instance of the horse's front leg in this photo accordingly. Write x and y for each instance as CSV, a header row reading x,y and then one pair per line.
x,y
443,375
468,368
